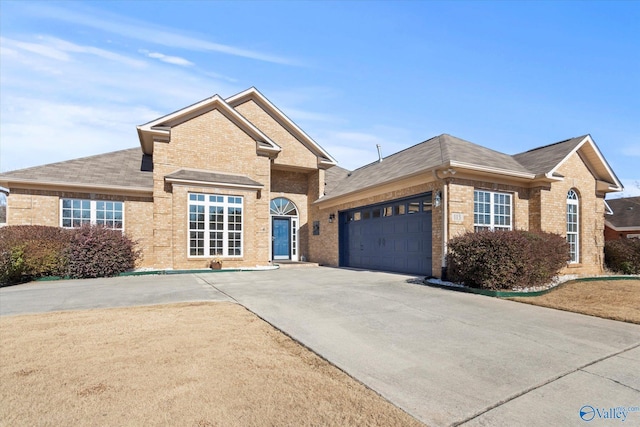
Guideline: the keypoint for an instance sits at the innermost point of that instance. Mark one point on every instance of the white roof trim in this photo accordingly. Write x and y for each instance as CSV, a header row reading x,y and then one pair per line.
x,y
617,185
159,129
211,183
485,169
613,227
607,208
88,187
324,158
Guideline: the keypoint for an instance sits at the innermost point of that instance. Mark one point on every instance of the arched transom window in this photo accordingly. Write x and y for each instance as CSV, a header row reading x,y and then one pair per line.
x,y
283,207
573,225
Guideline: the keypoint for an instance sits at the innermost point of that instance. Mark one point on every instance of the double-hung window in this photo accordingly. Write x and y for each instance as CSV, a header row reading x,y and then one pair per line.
x,y
215,225
492,211
77,212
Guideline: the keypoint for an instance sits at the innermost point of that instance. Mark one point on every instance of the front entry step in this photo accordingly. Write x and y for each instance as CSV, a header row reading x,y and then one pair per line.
x,y
295,264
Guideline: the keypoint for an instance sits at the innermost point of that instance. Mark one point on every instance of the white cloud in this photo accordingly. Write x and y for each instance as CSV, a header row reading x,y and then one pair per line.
x,y
176,60
632,150
50,52
140,30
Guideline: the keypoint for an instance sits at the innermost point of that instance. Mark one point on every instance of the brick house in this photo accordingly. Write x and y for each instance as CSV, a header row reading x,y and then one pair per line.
x,y
622,221
235,179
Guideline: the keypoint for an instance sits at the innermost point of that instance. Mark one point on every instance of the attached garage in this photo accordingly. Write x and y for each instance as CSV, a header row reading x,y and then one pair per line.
x,y
392,236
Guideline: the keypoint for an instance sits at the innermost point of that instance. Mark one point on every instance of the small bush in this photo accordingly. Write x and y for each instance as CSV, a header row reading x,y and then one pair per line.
x,y
506,259
31,251
96,251
623,256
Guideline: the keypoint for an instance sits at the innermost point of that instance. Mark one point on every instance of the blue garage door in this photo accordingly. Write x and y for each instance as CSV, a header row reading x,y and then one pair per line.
x,y
394,236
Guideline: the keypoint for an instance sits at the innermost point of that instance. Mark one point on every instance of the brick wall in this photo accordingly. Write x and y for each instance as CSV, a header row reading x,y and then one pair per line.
x,y
293,152
208,142
591,209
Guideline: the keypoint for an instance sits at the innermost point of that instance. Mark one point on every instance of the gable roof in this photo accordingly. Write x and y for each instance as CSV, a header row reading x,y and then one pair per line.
x,y
545,161
325,160
160,129
446,152
626,213
119,170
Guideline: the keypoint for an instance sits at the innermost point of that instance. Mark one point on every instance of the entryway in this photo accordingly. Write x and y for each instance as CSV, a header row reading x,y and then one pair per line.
x,y
284,229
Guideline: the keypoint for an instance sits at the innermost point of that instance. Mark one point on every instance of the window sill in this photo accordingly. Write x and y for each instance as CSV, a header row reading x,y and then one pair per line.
x,y
574,265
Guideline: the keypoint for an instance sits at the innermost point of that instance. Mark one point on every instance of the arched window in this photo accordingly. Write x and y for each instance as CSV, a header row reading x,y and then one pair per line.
x,y
573,225
283,207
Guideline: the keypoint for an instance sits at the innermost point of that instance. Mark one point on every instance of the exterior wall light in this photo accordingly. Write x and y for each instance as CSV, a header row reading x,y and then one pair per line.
x,y
332,217
438,199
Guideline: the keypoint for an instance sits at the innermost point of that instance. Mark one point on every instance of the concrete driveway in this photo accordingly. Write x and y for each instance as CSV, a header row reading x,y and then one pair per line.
x,y
447,358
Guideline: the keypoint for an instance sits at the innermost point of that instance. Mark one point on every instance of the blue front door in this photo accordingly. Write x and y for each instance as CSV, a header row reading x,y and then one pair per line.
x,y
281,238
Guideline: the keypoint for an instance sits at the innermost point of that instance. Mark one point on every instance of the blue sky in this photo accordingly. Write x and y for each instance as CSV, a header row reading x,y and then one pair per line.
x,y
77,77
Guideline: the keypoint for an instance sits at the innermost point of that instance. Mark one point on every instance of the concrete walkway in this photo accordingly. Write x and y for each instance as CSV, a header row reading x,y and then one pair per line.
x,y
447,358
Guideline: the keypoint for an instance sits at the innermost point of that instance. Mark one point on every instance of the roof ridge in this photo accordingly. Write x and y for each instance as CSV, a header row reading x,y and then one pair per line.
x,y
396,153
551,145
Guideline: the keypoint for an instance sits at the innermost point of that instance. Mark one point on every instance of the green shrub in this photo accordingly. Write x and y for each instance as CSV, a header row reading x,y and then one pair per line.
x,y
31,251
95,251
506,259
623,256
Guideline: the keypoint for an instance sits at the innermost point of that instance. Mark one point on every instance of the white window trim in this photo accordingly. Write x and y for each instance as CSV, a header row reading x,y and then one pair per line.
x,y
492,226
574,202
93,209
294,220
225,229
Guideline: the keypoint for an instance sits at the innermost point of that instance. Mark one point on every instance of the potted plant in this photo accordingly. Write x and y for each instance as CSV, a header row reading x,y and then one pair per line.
x,y
215,264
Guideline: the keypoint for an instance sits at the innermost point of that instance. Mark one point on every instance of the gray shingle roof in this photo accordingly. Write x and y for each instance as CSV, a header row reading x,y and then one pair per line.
x,y
626,212
117,169
542,160
434,152
211,177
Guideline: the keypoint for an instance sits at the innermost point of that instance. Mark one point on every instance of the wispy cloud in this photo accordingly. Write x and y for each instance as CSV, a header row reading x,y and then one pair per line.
x,y
141,30
632,150
59,50
176,60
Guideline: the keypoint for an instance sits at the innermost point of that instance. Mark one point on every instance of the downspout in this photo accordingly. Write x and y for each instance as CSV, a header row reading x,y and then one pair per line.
x,y
445,225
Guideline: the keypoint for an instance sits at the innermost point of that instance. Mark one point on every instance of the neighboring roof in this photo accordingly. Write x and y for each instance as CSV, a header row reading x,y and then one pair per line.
x,y
190,176
626,213
160,129
324,158
445,152
115,170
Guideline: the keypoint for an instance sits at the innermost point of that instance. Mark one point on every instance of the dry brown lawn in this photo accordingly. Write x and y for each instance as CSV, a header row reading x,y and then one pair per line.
x,y
611,299
194,364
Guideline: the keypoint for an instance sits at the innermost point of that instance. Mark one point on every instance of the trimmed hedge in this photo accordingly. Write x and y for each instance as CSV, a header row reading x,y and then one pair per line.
x,y
506,259
99,252
623,256
29,252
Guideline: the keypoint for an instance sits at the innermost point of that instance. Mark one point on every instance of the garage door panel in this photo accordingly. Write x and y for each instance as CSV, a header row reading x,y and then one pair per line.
x,y
395,243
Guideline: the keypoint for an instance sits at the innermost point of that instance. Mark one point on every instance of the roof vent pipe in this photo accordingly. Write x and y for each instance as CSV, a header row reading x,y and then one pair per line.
x,y
379,153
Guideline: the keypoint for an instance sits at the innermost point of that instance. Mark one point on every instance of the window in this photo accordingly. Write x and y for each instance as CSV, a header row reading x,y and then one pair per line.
x,y
215,225
491,211
573,238
77,212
